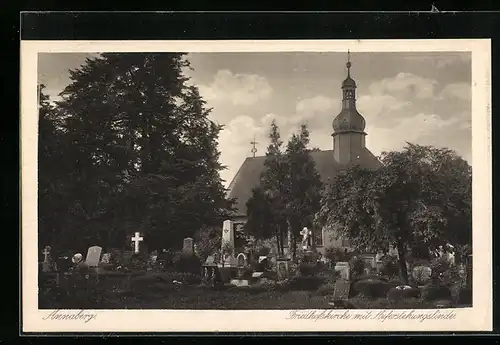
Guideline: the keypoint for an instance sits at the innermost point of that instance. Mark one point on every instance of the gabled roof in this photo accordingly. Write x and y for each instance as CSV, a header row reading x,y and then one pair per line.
x,y
248,176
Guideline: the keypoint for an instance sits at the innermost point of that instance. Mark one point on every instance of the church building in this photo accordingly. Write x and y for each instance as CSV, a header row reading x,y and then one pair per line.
x,y
348,149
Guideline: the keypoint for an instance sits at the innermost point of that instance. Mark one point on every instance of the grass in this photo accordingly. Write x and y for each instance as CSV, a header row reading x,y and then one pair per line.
x,y
156,292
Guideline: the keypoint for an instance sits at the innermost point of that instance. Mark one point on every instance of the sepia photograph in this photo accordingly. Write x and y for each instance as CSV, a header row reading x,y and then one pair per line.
x,y
331,181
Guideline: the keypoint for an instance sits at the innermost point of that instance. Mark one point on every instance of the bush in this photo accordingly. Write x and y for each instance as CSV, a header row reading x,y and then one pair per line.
x,y
335,254
436,292
397,294
307,269
189,264
444,273
372,288
356,266
390,266
310,283
465,296
326,289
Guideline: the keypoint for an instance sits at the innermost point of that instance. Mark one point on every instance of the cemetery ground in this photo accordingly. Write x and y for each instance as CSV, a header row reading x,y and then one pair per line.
x,y
150,289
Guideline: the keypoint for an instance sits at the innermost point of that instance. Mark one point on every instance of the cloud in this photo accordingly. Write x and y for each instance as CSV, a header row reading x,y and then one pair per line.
x,y
424,129
238,89
461,91
315,104
405,86
442,61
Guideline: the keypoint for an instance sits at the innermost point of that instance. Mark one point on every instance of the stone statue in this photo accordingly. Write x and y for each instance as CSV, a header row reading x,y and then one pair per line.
x,y
306,236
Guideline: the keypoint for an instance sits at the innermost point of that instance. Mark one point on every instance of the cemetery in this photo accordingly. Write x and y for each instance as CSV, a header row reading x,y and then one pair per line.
x,y
395,230
136,280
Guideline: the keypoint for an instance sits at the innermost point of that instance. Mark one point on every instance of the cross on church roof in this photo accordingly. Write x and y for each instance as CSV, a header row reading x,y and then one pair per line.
x,y
348,64
254,149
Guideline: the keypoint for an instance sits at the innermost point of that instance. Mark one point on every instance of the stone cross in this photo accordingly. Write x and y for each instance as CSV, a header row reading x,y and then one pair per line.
x,y
46,253
136,239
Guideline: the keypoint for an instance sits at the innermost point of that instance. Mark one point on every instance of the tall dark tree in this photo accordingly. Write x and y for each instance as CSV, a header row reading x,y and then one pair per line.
x,y
141,152
303,185
419,196
289,192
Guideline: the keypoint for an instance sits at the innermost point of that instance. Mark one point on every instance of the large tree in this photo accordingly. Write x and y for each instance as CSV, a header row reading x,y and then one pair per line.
x,y
303,186
420,196
140,152
266,207
289,193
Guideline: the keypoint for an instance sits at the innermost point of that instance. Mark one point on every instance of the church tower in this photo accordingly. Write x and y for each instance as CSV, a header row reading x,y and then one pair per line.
x,y
349,126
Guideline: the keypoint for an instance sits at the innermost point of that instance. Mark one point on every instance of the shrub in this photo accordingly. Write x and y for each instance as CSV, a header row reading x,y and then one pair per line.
x,y
390,266
444,273
397,294
436,292
356,266
326,289
307,269
305,283
189,264
335,254
465,296
372,288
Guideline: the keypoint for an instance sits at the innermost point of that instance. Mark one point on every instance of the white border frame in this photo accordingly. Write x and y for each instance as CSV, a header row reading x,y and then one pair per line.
x,y
477,318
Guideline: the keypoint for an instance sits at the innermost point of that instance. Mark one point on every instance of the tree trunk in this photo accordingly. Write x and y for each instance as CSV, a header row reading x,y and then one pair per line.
x,y
403,272
278,243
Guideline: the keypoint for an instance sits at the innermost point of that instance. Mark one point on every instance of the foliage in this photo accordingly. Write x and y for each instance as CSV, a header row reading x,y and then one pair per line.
x,y
208,241
289,193
189,264
372,288
307,283
307,269
390,267
444,273
420,195
356,266
130,147
335,254
436,292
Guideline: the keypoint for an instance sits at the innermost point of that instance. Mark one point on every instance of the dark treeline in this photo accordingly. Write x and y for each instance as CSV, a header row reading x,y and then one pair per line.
x,y
129,147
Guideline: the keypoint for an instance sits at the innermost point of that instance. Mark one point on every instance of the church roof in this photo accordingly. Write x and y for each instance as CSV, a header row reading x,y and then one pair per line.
x,y
248,176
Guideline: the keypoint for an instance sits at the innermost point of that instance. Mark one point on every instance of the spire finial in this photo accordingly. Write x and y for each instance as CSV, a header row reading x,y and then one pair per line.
x,y
254,149
348,64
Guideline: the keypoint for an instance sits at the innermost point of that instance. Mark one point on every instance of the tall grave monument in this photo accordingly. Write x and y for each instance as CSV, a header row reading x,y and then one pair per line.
x,y
227,246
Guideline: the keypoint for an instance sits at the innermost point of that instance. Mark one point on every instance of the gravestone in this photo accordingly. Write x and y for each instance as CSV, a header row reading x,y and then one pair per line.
x,y
136,239
283,268
343,269
228,241
369,260
341,289
93,256
188,247
46,260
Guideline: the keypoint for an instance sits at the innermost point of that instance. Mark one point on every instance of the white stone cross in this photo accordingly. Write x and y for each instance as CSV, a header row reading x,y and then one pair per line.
x,y
137,239
46,253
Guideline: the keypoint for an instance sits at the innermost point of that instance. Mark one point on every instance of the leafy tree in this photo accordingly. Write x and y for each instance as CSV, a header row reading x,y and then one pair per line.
x,y
266,207
419,196
303,185
140,153
289,191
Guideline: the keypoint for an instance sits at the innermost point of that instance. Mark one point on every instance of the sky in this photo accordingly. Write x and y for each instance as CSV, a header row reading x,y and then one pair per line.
x,y
419,97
